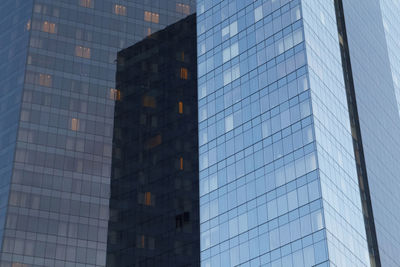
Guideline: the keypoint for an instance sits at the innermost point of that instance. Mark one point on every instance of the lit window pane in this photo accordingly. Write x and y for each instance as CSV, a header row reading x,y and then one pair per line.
x,y
120,10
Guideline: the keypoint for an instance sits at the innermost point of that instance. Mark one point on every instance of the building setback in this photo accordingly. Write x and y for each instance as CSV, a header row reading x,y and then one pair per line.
x,y
154,206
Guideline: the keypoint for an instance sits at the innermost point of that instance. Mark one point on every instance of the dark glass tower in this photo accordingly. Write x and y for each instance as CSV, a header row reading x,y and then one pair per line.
x,y
154,217
57,93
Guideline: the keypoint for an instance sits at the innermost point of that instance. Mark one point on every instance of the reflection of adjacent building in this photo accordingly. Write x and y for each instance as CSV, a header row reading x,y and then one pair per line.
x,y
154,187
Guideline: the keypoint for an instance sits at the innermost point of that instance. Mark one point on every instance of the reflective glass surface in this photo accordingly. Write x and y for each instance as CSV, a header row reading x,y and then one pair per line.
x,y
375,72
58,204
391,21
347,242
260,188
278,179
154,204
14,37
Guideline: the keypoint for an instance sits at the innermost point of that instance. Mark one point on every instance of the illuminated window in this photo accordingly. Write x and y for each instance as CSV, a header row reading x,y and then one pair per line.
x,y
151,17
148,31
181,163
120,10
86,3
81,51
49,27
154,141
16,264
74,124
182,8
45,80
115,94
149,101
147,199
184,73
180,107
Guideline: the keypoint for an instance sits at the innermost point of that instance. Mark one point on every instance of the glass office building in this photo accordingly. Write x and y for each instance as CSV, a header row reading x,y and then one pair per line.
x,y
57,93
298,133
376,83
154,205
298,130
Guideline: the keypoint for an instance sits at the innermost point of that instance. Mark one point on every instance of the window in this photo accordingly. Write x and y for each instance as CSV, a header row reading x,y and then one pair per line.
x,y
151,17
184,73
181,56
120,10
258,13
230,52
148,31
154,141
45,80
86,3
182,219
229,123
229,31
181,163
182,8
49,27
147,199
115,94
180,107
140,241
81,51
149,101
74,124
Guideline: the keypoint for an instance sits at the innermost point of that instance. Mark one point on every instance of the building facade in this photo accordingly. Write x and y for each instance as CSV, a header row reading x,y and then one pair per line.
x,y
298,133
154,205
375,81
57,96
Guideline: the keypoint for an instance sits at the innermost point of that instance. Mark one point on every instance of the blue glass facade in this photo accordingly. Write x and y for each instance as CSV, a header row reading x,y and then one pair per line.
x,y
375,72
391,21
14,38
278,179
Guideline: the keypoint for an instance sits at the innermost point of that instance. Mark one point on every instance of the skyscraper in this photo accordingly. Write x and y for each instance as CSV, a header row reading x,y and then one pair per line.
x,y
57,75
299,133
154,205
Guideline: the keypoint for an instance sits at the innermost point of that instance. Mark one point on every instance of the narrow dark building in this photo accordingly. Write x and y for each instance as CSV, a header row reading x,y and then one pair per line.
x,y
154,205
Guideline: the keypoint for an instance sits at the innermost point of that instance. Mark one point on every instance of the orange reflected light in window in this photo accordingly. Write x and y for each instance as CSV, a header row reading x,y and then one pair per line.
x,y
151,17
180,107
142,241
86,3
120,10
45,80
81,51
154,141
184,73
149,101
49,27
74,124
147,199
182,8
181,163
115,94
